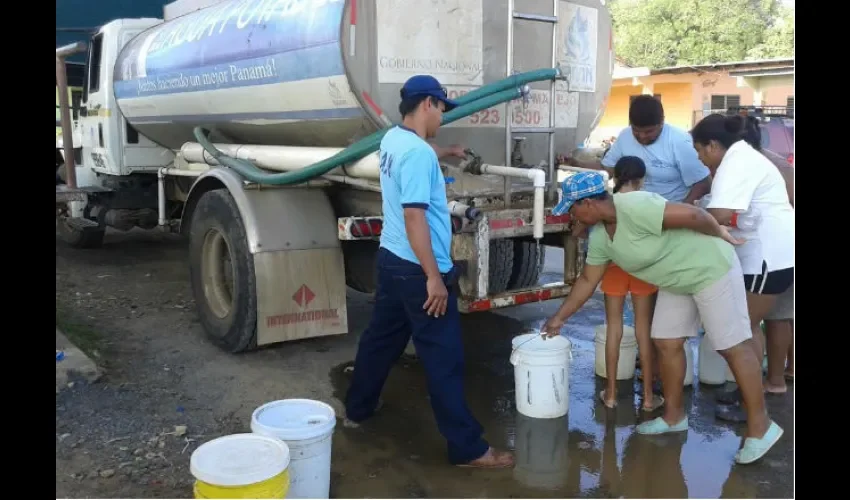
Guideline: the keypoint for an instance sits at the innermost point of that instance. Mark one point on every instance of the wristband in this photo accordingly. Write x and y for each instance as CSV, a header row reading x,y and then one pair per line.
x,y
734,220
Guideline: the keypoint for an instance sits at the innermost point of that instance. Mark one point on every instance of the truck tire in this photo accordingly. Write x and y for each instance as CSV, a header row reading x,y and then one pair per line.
x,y
528,264
501,265
360,265
79,238
61,174
222,273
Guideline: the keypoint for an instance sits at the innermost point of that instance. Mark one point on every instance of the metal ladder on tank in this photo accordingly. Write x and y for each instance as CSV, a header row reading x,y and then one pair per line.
x,y
513,15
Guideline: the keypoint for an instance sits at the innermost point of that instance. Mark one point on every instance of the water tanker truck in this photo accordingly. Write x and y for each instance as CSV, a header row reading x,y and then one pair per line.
x,y
252,128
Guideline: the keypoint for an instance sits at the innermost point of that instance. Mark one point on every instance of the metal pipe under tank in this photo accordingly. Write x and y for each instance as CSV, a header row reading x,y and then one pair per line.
x,y
284,158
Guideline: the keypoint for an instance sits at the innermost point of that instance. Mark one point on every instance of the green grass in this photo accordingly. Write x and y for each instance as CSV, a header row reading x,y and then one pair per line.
x,y
82,335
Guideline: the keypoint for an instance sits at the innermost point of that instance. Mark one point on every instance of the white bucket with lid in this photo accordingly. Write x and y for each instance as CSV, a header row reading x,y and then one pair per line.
x,y
541,375
628,352
306,426
241,466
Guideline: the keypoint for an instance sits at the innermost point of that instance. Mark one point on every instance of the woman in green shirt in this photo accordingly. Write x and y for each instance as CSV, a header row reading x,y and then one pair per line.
x,y
682,250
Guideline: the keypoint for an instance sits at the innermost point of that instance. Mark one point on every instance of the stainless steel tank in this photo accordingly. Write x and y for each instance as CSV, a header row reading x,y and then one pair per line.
x,y
327,72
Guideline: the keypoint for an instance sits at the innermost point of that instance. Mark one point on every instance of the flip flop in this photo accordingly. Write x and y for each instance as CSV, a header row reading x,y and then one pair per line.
x,y
492,459
351,424
656,403
755,448
605,403
659,426
774,392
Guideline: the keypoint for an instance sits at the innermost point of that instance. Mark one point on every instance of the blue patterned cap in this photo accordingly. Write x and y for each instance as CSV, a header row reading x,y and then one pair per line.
x,y
578,187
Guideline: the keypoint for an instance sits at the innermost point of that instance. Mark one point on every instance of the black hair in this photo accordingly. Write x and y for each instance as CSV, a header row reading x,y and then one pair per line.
x,y
646,111
597,197
628,169
752,132
409,104
727,130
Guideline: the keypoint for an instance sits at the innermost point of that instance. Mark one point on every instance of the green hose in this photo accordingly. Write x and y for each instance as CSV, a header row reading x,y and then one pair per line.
x,y
513,81
480,99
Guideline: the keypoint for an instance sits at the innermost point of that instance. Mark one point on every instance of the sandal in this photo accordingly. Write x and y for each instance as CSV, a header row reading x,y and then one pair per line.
x,y
729,397
731,413
655,403
492,459
608,405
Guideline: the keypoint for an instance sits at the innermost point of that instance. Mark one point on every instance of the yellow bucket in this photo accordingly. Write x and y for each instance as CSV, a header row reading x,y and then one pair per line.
x,y
241,466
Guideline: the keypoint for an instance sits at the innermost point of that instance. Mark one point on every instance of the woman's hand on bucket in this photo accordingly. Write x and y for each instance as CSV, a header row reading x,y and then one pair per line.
x,y
552,327
727,236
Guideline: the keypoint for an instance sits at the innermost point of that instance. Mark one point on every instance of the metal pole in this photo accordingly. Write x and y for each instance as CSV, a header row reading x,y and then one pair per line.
x,y
65,110
553,180
509,69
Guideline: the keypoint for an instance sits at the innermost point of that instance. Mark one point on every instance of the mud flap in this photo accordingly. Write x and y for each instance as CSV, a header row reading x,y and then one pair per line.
x,y
300,294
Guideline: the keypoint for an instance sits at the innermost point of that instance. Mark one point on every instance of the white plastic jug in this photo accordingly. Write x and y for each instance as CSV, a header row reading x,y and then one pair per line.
x,y
541,375
689,363
712,366
628,352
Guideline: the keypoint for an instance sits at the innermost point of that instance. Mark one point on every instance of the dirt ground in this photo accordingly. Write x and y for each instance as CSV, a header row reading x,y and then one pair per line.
x,y
166,389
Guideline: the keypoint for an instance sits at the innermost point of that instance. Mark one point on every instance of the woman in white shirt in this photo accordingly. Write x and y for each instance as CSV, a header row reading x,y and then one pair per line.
x,y
749,194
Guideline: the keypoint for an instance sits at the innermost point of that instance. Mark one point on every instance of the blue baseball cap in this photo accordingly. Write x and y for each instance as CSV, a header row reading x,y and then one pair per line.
x,y
578,187
421,85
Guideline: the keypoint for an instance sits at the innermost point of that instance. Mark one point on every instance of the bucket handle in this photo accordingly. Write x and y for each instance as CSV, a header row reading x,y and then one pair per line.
x,y
315,419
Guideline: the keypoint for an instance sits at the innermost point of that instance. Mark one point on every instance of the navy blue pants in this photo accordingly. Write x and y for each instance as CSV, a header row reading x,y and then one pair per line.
x,y
398,314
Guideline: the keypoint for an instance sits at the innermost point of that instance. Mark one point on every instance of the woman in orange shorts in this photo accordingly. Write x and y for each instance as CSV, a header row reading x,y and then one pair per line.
x,y
629,173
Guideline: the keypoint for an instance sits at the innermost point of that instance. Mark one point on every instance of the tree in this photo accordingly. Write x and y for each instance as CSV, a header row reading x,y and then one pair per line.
x,y
660,33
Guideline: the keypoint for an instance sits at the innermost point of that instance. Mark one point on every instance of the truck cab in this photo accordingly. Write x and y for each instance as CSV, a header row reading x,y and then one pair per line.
x,y
111,147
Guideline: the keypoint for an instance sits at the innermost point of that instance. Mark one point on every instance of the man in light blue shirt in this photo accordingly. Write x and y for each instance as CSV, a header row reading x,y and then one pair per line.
x,y
673,169
417,282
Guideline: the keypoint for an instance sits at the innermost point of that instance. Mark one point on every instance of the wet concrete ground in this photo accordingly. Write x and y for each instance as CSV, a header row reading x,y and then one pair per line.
x,y
130,301
591,452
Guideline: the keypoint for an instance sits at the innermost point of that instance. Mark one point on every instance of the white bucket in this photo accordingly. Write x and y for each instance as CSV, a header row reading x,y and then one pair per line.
x,y
628,352
712,366
541,375
541,452
306,426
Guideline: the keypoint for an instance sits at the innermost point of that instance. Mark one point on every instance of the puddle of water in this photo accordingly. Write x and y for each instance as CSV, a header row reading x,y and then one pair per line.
x,y
591,452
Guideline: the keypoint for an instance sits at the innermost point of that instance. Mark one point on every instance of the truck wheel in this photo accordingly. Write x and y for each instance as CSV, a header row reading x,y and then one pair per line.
x,y
501,265
360,265
222,272
61,174
528,264
77,237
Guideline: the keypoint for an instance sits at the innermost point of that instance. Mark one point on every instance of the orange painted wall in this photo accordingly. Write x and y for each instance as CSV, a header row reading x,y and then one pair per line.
x,y
682,96
676,98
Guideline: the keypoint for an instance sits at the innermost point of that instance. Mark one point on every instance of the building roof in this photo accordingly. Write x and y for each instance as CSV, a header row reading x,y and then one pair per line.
x,y
784,64
762,67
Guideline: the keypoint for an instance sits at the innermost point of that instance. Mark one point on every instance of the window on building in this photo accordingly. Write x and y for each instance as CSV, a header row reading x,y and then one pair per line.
x,y
632,97
724,102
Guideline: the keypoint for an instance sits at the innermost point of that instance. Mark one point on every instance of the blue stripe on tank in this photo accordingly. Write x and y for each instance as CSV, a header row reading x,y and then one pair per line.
x,y
303,64
310,114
